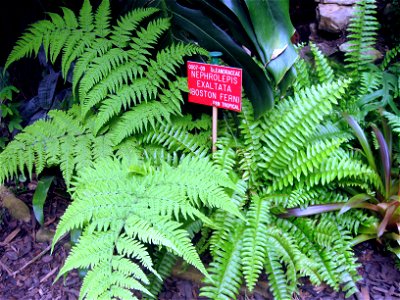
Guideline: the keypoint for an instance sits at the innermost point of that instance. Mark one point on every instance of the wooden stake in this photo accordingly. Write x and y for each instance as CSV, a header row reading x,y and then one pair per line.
x,y
214,128
214,60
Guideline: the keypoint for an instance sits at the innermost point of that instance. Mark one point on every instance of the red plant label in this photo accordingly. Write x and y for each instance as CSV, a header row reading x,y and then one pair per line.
x,y
215,85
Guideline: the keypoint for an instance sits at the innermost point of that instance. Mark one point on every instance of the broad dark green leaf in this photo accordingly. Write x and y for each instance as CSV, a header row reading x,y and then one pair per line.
x,y
272,25
280,66
269,27
236,6
228,17
213,38
39,197
287,80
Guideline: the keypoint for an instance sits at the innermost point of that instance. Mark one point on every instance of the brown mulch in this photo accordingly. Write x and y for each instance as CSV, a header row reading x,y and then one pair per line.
x,y
28,269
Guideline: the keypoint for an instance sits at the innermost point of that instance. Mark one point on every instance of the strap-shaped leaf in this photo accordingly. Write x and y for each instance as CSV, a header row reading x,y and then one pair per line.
x,y
39,197
211,37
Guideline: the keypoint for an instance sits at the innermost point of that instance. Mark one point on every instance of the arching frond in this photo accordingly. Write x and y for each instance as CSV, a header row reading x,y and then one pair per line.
x,y
323,70
288,127
362,38
108,192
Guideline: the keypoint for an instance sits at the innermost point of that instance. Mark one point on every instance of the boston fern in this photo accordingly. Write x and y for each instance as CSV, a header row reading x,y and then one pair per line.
x,y
290,157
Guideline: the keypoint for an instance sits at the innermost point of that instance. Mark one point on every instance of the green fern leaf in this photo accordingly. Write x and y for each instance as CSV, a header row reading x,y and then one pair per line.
x,y
304,162
225,270
322,68
29,43
128,23
102,19
86,16
363,30
394,121
287,129
276,275
70,18
254,241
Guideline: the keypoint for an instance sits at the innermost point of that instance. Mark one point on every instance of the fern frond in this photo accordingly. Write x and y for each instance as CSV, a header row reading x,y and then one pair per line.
x,y
102,19
294,121
342,168
304,162
225,157
254,240
101,46
281,285
323,69
175,138
306,197
36,147
100,201
328,131
139,119
303,79
252,146
394,121
132,95
29,43
86,16
362,38
369,82
390,56
225,222
225,271
301,230
164,263
69,18
65,35
74,47
127,24
340,244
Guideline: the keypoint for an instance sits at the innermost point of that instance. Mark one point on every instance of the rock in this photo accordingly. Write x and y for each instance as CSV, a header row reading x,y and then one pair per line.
x,y
44,235
11,255
47,258
344,47
32,186
376,55
334,18
339,2
313,31
16,207
327,48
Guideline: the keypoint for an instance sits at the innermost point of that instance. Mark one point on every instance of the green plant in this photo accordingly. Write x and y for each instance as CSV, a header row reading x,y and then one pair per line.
x,y
122,87
289,157
374,86
124,205
10,118
362,36
374,89
381,196
39,197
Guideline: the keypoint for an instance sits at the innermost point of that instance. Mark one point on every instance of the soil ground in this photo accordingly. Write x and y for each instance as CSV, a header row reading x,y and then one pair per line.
x,y
28,269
